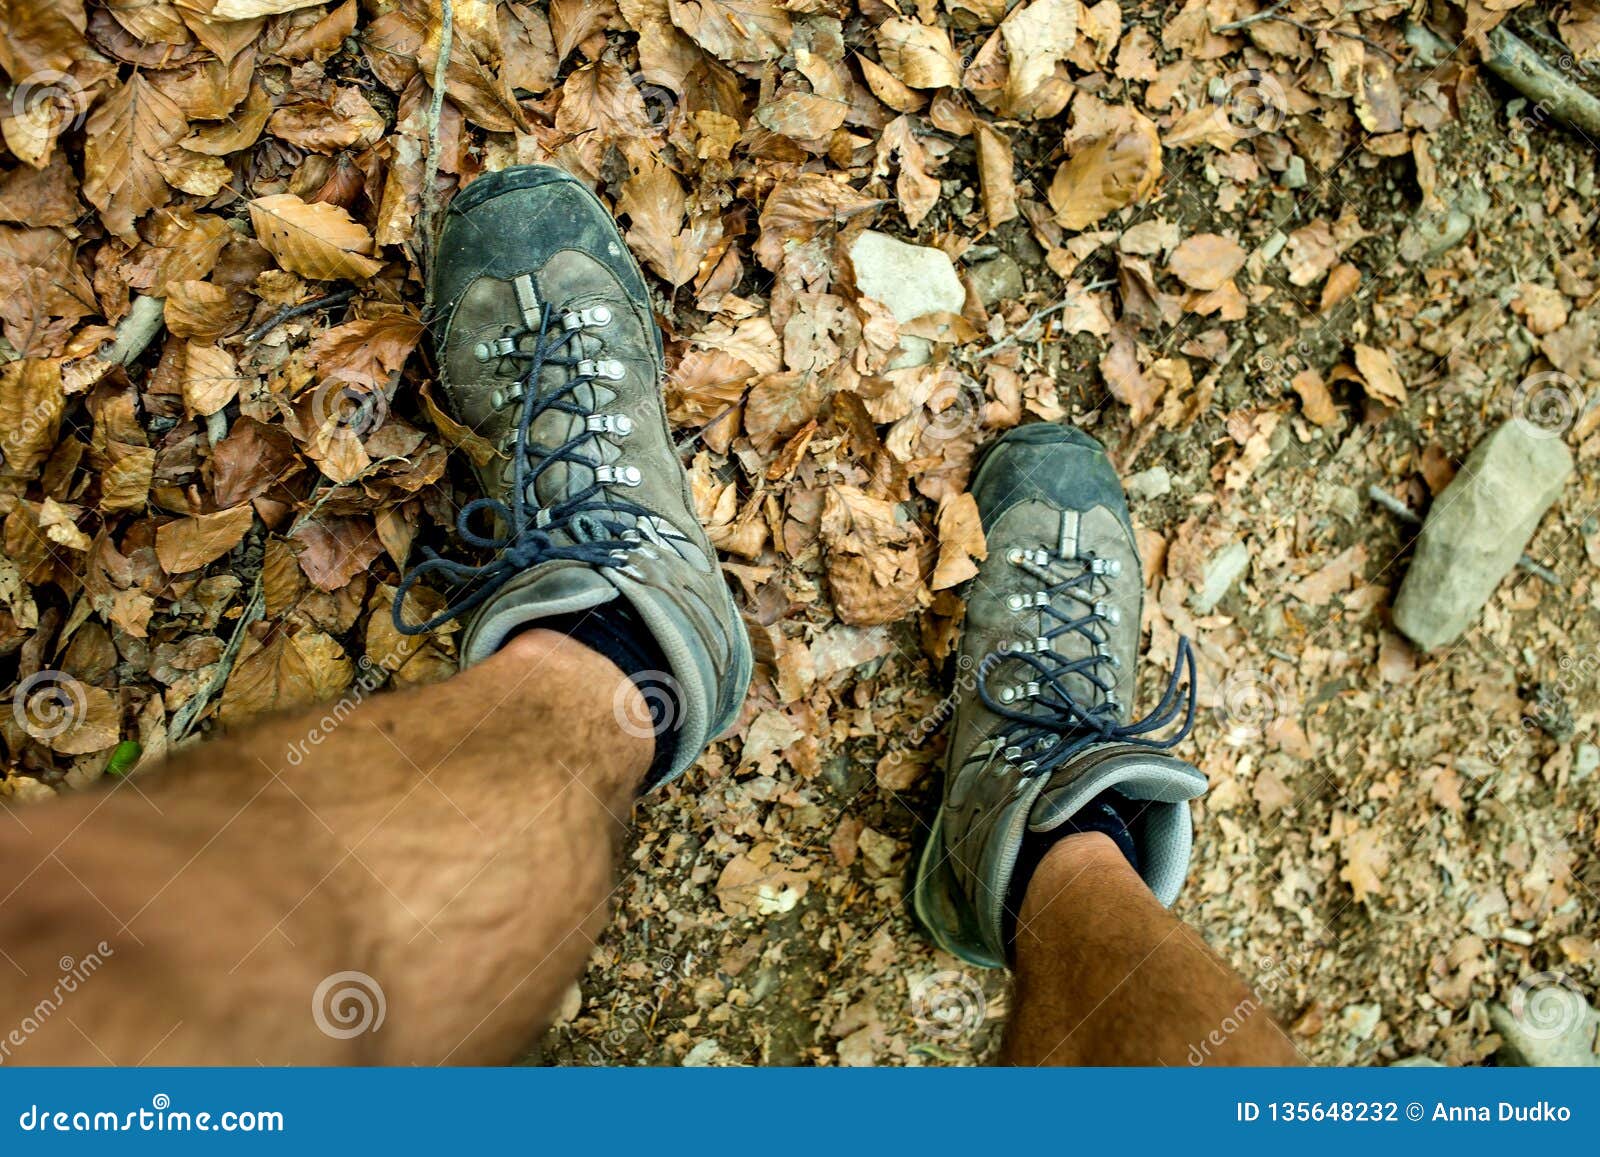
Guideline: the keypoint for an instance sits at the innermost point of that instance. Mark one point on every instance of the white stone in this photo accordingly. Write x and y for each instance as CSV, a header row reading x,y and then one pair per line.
x,y
912,280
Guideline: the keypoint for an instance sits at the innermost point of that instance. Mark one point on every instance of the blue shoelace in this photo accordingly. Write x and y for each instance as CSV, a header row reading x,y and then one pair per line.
x,y
591,517
1059,726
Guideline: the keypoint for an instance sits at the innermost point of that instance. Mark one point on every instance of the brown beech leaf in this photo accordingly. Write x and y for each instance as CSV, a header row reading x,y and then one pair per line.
x,y
221,11
796,209
654,203
1036,36
286,672
918,55
126,133
1108,174
734,30
960,542
187,544
335,550
367,350
996,175
319,240
473,80
31,404
210,378
1378,372
39,36
1206,261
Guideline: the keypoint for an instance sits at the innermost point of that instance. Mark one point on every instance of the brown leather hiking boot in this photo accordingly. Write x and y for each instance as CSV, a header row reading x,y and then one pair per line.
x,y
547,347
1044,705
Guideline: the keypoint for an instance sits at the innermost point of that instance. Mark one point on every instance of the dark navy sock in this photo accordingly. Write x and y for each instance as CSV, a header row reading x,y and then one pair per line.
x,y
616,631
1110,813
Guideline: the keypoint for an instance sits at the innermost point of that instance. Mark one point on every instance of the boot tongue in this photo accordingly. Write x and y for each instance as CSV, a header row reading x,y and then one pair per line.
x,y
556,588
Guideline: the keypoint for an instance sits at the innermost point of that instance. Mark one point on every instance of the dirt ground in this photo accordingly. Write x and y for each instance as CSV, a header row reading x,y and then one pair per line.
x,y
1273,254
1391,840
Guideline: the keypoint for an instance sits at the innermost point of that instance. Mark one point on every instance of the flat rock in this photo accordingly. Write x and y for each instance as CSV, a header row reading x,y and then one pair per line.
x,y
1477,529
1155,482
1224,569
912,280
1550,1026
997,279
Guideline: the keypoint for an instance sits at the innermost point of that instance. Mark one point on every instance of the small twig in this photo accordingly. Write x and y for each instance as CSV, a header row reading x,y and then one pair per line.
x,y
1515,62
183,722
290,312
1411,518
430,176
1025,331
1245,22
145,319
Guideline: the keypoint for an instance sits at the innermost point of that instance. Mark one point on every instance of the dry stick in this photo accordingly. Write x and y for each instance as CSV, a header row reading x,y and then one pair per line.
x,y
1024,331
1264,14
184,720
1515,62
1410,517
289,312
145,319
430,176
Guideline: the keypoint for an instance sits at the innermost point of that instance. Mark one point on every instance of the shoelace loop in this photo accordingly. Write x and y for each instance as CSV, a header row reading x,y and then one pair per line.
x,y
591,517
1059,726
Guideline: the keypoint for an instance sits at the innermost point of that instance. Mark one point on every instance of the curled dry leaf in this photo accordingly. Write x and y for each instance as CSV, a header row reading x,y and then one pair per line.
x,y
1107,174
919,56
734,30
187,544
996,175
1378,373
1206,261
319,240
31,405
1037,36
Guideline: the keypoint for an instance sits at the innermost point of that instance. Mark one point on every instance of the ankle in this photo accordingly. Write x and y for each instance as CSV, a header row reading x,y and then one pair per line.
x,y
1074,865
596,703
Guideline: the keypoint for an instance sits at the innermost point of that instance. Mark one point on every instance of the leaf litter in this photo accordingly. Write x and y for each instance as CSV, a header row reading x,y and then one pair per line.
x,y
1271,254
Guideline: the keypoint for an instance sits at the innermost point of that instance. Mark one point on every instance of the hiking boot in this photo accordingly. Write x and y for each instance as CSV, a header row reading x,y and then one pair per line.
x,y
548,349
1043,723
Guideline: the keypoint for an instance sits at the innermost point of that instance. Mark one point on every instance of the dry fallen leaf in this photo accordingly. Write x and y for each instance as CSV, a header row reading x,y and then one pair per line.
x,y
918,55
124,136
1378,372
1108,174
187,544
318,240
1206,261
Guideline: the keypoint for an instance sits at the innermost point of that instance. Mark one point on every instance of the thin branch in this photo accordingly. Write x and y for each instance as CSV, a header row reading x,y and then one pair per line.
x,y
1264,14
430,176
1025,331
289,312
